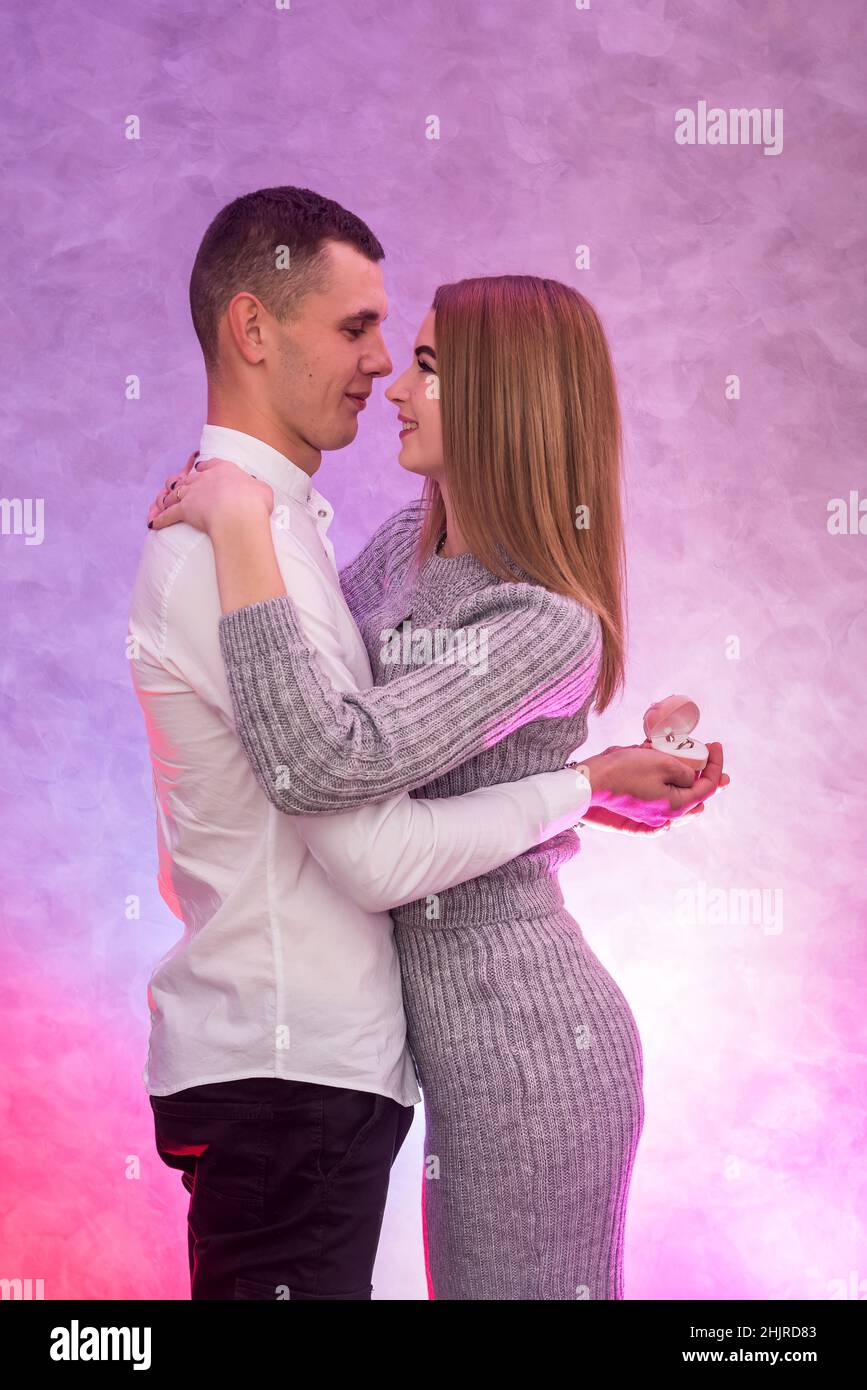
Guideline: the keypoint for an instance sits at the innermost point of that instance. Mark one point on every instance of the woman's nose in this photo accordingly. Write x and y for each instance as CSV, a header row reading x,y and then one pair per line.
x,y
397,390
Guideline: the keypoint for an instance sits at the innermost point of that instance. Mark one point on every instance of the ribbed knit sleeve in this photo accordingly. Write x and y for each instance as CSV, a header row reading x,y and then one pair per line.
x,y
519,652
361,580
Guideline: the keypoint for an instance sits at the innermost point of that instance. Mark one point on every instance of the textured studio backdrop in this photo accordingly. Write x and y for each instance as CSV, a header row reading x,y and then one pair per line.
x,y
608,145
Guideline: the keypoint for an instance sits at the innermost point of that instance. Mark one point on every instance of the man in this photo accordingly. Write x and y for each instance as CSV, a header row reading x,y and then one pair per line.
x,y
278,1071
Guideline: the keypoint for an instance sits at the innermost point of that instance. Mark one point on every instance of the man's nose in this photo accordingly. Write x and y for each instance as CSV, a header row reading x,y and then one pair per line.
x,y
377,361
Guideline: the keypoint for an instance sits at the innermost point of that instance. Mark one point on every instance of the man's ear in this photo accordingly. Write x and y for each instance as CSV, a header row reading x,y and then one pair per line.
x,y
243,324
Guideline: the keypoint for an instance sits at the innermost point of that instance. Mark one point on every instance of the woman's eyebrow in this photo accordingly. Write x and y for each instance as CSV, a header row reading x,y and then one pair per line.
x,y
423,347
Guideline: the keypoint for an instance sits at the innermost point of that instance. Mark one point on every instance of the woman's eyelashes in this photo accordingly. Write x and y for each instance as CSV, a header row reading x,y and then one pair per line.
x,y
423,366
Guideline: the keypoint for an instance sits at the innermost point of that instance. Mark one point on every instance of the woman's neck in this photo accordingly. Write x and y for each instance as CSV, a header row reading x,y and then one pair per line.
x,y
454,544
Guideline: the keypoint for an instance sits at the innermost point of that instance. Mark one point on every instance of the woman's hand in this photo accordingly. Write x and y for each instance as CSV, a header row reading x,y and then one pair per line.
x,y
211,494
166,498
599,818
234,508
639,784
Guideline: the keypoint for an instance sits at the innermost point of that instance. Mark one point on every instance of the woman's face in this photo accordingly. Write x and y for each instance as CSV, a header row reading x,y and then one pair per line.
x,y
417,397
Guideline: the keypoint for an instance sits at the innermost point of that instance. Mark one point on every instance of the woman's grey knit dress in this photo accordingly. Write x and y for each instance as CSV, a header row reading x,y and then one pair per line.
x,y
527,1052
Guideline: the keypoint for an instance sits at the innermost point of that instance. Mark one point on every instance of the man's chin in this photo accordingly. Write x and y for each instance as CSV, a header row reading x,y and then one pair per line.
x,y
339,437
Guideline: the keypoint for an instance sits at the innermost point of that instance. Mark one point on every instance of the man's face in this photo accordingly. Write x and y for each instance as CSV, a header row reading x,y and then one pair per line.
x,y
330,353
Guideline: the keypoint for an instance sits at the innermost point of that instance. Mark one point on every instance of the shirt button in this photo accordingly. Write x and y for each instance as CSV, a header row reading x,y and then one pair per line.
x,y
322,513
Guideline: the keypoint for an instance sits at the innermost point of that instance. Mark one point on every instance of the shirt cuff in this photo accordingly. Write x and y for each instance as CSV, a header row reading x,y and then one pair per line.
x,y
565,796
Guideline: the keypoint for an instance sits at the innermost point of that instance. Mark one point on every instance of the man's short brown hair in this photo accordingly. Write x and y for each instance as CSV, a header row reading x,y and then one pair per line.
x,y
243,250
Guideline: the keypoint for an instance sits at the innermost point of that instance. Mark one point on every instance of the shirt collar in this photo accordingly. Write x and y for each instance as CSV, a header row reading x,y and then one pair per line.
x,y
258,458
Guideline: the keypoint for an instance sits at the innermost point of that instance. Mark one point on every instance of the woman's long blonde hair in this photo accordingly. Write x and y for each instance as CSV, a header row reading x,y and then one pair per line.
x,y
531,434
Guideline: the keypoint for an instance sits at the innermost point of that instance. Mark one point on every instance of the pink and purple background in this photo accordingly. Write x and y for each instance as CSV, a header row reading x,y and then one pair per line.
x,y
706,262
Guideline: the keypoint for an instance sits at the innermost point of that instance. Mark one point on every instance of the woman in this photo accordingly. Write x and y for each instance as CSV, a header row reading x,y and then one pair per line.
x,y
509,570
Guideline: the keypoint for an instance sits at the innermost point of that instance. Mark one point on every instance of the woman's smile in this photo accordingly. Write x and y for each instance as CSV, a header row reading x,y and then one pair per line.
x,y
408,425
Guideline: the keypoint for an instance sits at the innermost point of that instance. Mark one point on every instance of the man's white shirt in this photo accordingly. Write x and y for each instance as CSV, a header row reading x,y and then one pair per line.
x,y
286,966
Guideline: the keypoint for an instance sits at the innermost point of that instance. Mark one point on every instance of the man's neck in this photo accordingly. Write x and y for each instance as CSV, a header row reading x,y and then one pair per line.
x,y
234,413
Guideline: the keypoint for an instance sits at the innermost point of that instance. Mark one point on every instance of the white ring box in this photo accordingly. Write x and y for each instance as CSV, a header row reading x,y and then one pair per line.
x,y
669,723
